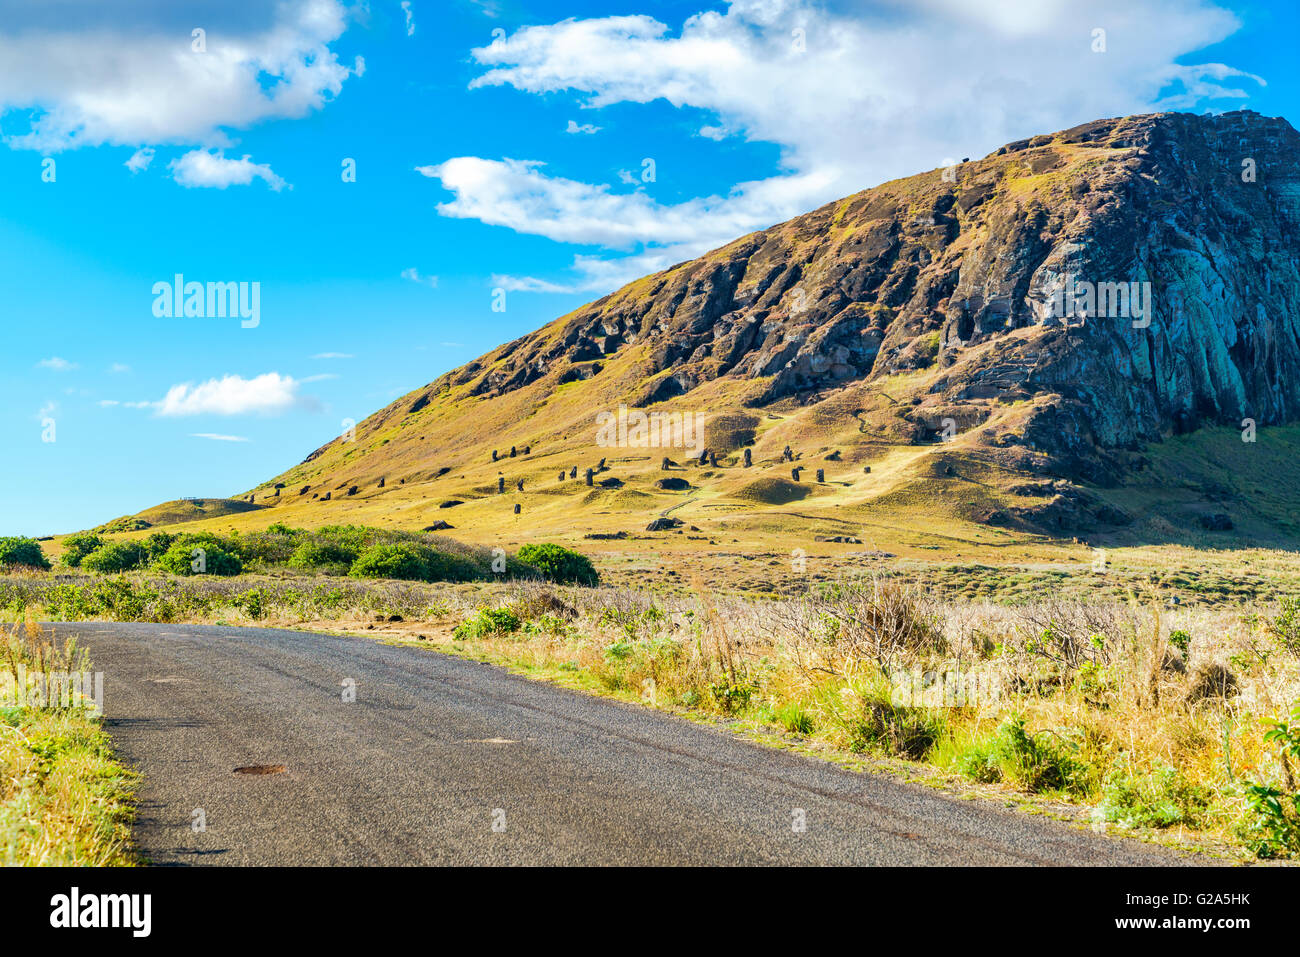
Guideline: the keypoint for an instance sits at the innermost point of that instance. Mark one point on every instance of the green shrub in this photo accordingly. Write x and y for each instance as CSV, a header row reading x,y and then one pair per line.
x,y
445,567
117,557
488,622
399,561
23,551
197,556
1159,799
316,553
78,546
156,545
1271,825
1031,762
559,564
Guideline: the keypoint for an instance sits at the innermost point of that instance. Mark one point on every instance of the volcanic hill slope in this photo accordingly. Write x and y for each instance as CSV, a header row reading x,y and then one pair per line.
x,y
909,341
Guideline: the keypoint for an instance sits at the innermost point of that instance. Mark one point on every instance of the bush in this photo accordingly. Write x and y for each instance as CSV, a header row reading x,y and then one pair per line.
x,y
559,564
315,553
489,621
23,551
199,556
78,546
1014,754
1160,799
117,557
1271,827
399,561
156,545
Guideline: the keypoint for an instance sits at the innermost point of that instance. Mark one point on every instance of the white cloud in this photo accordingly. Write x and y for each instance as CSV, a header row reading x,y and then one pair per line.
x,y
410,18
586,128
413,274
268,394
218,437
47,410
117,368
860,96
109,403
333,355
57,364
84,73
140,159
203,168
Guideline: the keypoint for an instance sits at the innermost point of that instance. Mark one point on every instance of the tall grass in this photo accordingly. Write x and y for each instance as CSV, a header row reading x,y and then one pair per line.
x,y
64,799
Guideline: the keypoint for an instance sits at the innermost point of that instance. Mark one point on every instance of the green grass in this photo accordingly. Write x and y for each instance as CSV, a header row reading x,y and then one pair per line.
x,y
65,800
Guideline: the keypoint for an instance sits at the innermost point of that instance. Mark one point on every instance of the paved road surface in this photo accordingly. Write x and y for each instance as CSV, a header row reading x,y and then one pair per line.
x,y
435,751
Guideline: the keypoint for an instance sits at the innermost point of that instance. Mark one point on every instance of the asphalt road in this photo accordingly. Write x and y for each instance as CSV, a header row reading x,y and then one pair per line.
x,y
439,760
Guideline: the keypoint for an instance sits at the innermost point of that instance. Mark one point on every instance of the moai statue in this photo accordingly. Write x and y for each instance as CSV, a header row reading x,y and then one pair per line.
x,y
794,474
866,470
561,478
518,509
749,458
590,473
501,484
528,450
600,466
277,493
494,455
787,455
519,486
663,466
821,475
713,459
573,472
513,451
381,483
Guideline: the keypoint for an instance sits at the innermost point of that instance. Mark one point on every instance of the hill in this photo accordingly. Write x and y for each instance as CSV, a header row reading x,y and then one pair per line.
x,y
1067,338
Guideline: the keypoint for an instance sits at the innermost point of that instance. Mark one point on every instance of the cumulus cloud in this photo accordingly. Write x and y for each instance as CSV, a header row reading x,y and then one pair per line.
x,y
267,394
140,159
204,168
852,95
85,73
410,17
586,128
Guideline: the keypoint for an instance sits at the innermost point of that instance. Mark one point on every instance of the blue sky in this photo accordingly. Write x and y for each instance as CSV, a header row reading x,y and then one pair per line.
x,y
519,161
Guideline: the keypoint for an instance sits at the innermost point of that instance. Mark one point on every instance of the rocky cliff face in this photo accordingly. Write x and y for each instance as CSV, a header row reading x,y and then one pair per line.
x,y
1061,302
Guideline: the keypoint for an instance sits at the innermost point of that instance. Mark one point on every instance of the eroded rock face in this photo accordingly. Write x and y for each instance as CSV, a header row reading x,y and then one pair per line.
x,y
1185,231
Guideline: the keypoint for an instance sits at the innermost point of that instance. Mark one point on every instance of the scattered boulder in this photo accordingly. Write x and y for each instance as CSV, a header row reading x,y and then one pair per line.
x,y
673,484
1216,522
450,503
664,525
438,526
